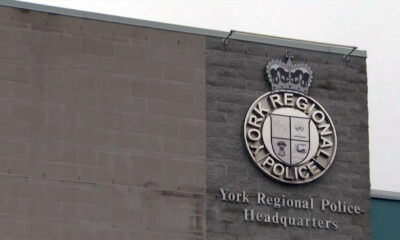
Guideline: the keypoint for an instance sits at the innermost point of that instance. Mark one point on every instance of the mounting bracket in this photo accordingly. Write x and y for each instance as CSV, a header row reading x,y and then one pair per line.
x,y
225,40
346,57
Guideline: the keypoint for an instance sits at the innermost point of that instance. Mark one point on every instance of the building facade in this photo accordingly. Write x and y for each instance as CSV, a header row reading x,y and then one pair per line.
x,y
385,209
116,128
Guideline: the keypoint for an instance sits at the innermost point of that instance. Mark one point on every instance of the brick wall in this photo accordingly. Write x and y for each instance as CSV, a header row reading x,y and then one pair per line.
x,y
234,79
102,130
103,133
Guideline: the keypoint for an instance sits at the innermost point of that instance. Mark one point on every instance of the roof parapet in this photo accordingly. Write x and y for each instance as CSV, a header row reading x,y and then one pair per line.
x,y
382,194
244,36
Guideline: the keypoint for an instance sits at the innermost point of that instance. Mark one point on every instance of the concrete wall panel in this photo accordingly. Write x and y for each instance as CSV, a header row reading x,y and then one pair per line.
x,y
235,79
102,132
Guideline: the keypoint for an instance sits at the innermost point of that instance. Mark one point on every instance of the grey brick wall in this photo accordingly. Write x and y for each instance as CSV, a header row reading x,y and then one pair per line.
x,y
234,79
113,131
102,130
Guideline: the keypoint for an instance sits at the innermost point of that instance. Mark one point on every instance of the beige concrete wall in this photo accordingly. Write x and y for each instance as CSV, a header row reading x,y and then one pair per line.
x,y
102,130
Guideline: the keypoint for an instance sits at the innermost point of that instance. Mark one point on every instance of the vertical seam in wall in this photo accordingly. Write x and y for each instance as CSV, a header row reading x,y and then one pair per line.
x,y
205,142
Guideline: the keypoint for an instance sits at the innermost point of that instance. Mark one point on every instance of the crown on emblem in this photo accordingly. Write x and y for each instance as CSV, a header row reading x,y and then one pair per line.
x,y
297,77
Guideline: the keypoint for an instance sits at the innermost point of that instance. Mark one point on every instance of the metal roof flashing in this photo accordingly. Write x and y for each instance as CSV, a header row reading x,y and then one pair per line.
x,y
387,195
285,42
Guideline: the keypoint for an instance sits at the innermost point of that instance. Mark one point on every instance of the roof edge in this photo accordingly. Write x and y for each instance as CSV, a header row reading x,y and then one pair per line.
x,y
284,42
382,194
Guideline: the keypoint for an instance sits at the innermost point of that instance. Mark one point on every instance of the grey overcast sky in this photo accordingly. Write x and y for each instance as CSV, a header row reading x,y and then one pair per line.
x,y
370,25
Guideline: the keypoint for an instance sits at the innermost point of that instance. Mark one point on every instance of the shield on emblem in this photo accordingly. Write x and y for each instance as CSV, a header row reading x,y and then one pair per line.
x,y
290,138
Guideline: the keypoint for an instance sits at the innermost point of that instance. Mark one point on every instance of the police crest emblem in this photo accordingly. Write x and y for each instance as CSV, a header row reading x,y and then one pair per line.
x,y
288,134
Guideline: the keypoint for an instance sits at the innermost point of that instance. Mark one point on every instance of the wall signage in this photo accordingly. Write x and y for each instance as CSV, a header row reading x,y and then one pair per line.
x,y
288,134
262,208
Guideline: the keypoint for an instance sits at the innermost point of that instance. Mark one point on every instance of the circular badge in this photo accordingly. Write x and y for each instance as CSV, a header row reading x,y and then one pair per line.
x,y
290,136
